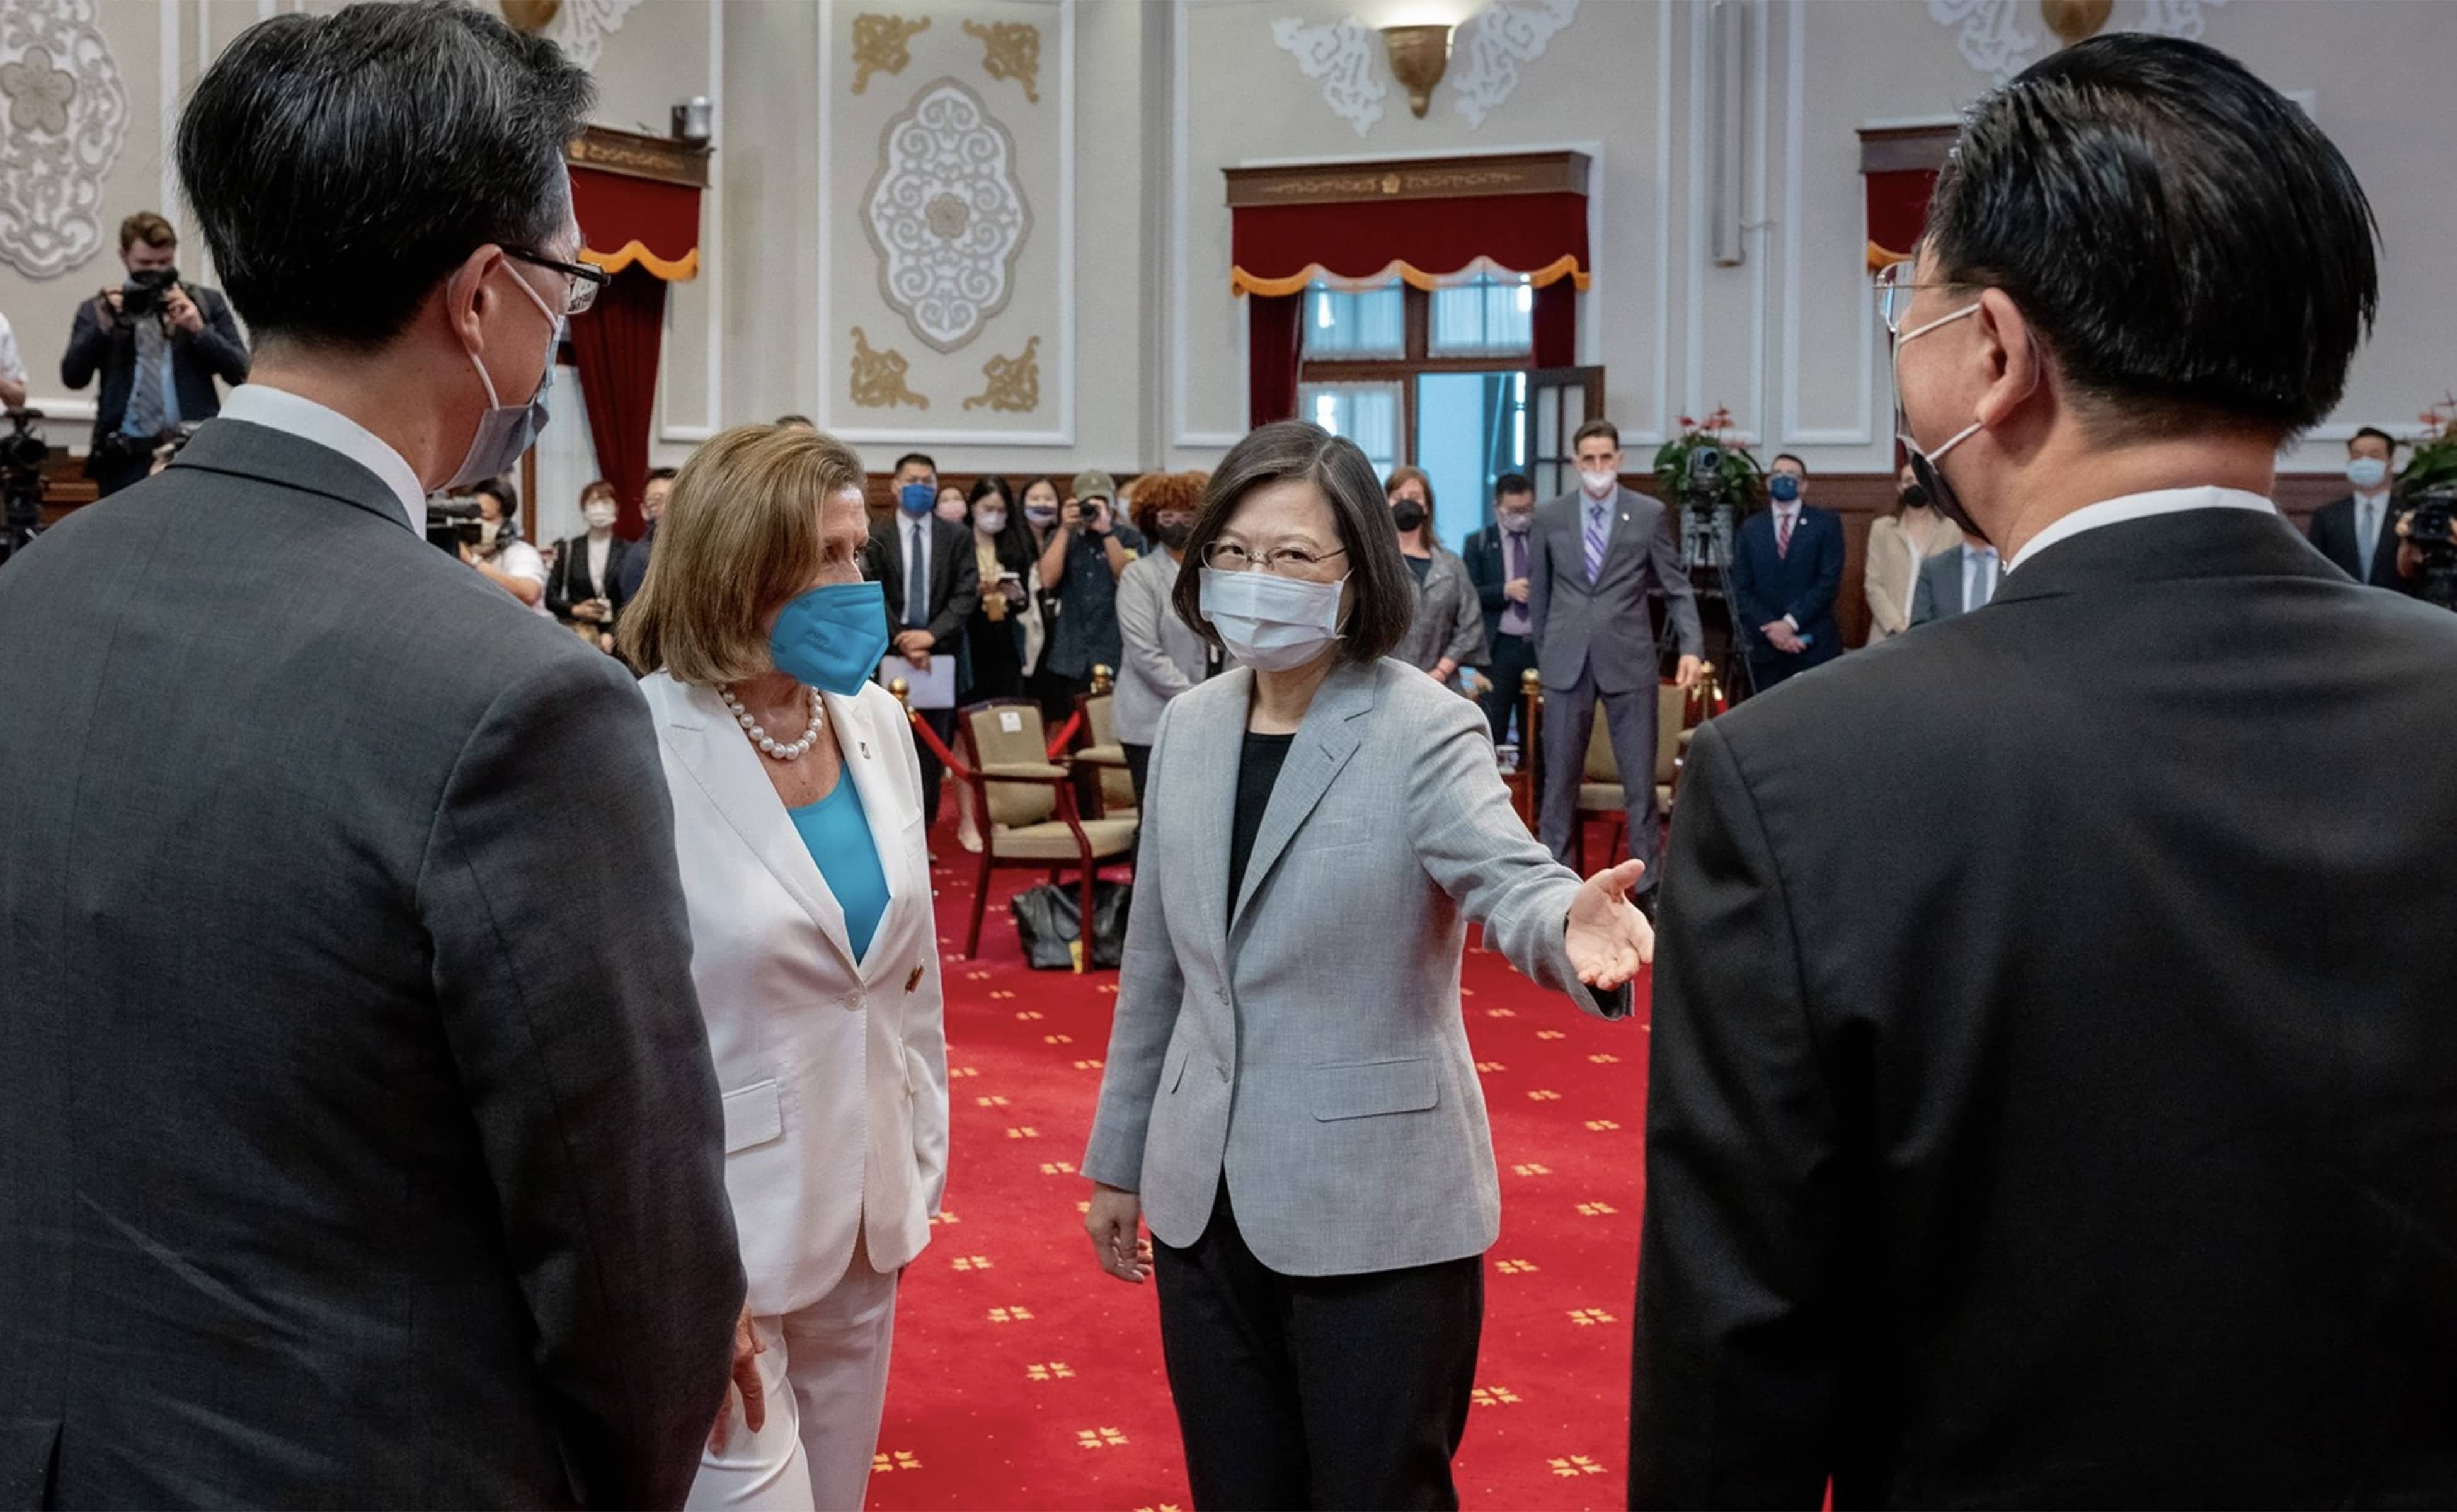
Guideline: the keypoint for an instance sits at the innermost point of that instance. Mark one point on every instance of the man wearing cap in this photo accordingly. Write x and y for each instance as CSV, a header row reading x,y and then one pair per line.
x,y
1080,568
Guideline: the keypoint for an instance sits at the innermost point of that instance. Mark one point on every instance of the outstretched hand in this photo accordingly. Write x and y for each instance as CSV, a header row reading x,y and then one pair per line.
x,y
1607,938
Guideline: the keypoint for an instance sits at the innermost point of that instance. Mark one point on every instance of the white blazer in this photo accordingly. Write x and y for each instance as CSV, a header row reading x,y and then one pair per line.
x,y
835,1072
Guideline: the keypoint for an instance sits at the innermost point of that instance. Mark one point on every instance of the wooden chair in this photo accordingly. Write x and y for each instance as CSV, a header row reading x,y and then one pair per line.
x,y
1601,791
1112,788
1027,803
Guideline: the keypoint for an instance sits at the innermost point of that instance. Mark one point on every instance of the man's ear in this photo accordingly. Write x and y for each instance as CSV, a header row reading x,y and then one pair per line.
x,y
2016,362
468,298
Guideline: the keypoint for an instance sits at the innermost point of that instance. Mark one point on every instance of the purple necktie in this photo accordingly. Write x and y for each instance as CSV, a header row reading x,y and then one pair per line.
x,y
1595,541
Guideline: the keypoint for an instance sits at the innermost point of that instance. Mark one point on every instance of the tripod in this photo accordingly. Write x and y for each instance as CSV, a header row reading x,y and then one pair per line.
x,y
21,520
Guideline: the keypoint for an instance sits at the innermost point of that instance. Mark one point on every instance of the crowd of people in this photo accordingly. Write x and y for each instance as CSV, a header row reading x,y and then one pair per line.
x,y
386,1119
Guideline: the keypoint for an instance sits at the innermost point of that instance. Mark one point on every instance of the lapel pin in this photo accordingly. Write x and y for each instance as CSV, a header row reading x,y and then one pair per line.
x,y
864,747
913,980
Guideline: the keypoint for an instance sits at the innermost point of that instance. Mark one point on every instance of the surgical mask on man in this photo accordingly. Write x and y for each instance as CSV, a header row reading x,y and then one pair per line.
x,y
2366,472
1270,622
1924,463
1518,521
1783,489
915,499
1598,484
505,431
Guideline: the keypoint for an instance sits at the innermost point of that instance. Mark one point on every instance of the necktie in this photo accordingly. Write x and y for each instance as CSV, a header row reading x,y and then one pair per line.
x,y
1595,541
2366,518
145,416
1782,535
917,582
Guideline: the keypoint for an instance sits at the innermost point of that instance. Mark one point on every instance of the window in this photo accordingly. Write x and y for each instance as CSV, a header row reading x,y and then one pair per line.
x,y
1368,322
1488,317
1368,414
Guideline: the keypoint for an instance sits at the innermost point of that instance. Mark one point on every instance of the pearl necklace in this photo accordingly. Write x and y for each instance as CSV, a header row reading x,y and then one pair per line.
x,y
776,750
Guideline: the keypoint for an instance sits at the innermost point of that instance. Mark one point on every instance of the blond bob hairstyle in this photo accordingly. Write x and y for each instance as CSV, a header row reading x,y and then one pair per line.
x,y
740,536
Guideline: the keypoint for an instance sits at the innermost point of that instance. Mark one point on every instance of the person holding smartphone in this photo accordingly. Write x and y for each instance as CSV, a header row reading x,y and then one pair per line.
x,y
1081,565
1004,631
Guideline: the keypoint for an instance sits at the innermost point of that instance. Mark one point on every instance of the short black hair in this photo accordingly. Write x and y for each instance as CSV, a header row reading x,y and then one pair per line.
x,y
1791,457
1512,483
803,421
1385,591
921,457
342,165
661,475
2188,245
2376,434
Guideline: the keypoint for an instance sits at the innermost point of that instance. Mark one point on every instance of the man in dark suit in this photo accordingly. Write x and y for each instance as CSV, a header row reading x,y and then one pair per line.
x,y
159,343
933,578
2359,532
359,1142
1956,582
1598,552
1787,567
1500,558
2070,1117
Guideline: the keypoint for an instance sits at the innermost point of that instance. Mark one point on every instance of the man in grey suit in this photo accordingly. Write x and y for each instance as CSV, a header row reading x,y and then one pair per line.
x,y
359,1142
1955,582
1597,552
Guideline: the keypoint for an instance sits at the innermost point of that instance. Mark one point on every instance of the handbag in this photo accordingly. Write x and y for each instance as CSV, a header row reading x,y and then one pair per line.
x,y
1049,924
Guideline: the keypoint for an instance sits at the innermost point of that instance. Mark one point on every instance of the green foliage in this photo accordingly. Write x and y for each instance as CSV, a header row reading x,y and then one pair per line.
x,y
1743,477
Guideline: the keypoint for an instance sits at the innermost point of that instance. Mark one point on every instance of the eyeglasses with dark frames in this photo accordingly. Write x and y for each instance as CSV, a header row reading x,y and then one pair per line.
x,y
586,281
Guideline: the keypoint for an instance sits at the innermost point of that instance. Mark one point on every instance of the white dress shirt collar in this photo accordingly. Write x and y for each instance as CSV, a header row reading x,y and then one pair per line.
x,y
279,409
2137,506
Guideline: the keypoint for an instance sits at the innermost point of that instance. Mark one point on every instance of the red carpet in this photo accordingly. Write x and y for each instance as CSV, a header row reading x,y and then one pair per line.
x,y
1025,1378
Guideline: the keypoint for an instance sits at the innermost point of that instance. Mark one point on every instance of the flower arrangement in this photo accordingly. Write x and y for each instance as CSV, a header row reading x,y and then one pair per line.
x,y
2433,461
1742,474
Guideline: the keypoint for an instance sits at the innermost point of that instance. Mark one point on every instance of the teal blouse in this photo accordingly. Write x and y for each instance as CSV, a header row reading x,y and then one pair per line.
x,y
837,833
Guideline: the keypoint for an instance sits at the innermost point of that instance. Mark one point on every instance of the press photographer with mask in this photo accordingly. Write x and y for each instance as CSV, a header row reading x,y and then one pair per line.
x,y
397,1173
159,343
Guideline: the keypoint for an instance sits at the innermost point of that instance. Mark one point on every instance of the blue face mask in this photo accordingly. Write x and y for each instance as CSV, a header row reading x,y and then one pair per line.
x,y
917,498
1783,487
505,432
832,637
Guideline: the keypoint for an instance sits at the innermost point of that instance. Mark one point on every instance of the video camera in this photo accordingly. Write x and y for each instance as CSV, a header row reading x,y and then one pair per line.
x,y
22,454
453,524
2427,524
1707,516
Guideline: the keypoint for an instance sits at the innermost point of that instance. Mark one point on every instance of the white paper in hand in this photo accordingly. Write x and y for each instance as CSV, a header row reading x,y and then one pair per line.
x,y
933,688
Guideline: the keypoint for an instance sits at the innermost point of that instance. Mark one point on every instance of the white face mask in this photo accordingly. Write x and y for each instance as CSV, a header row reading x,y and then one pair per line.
x,y
988,521
1268,622
1599,484
952,511
600,517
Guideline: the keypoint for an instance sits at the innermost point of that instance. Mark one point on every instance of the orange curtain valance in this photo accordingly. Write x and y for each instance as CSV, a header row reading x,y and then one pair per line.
x,y
1242,282
627,221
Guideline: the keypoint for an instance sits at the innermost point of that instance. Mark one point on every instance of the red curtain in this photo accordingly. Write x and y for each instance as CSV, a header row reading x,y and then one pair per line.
x,y
1274,324
614,343
1276,249
1556,320
1898,209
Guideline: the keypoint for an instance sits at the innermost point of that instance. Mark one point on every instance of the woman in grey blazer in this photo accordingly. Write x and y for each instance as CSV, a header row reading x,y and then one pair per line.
x,y
1448,631
1162,655
1289,1099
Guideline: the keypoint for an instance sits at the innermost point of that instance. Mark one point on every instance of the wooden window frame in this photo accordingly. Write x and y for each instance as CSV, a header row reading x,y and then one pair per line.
x,y
1417,327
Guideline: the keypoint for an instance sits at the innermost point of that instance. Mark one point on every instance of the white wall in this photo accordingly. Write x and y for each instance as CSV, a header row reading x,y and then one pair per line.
x,y
1123,275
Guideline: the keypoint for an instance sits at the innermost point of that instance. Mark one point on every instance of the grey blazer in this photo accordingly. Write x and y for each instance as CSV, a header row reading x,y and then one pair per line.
x,y
1162,658
1306,1039
1450,618
1939,595
1604,625
358,1144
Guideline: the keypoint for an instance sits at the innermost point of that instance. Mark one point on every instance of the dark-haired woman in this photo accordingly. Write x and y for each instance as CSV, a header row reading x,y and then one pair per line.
x,y
1004,631
1320,825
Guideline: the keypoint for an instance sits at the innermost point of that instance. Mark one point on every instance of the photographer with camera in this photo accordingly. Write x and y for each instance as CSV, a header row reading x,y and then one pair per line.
x,y
160,344
2427,546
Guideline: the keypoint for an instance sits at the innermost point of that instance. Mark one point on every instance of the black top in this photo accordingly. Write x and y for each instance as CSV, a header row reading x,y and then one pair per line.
x,y
1257,771
1971,1145
1421,565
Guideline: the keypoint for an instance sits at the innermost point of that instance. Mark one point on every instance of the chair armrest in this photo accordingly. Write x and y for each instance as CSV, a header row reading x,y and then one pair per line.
x,y
1034,772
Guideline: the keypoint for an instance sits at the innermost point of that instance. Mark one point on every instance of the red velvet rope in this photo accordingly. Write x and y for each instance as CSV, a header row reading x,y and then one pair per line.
x,y
1065,735
964,773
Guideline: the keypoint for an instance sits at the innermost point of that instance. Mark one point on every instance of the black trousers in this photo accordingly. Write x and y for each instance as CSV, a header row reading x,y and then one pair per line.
x,y
1511,656
1342,1391
934,771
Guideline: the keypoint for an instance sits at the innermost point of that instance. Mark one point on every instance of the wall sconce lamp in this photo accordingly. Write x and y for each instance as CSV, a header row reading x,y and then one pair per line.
x,y
1419,56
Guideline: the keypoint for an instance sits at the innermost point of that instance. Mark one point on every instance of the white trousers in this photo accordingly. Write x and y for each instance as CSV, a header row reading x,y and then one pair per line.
x,y
825,1374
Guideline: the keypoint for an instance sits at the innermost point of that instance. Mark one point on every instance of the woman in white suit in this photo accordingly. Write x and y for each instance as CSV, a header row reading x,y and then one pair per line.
x,y
797,822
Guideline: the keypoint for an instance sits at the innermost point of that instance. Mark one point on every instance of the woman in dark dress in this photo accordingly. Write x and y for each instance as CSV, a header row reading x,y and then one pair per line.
x,y
1004,629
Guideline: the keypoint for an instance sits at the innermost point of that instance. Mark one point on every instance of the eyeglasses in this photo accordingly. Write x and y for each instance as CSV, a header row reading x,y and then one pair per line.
x,y
586,281
1895,291
1286,561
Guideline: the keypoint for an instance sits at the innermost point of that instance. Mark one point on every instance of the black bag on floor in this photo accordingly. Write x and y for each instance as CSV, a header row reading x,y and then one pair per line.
x,y
1049,923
